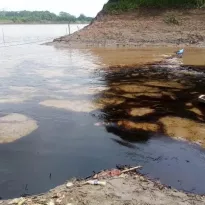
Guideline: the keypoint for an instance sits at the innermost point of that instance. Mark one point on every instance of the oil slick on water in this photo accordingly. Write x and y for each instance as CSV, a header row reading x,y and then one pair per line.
x,y
66,92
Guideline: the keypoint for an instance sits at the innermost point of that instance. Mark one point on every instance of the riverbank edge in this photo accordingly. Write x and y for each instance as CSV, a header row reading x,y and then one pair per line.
x,y
126,188
141,28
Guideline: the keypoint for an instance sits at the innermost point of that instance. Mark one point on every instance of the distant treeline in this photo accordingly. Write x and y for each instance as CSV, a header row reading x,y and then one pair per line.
x,y
126,5
41,16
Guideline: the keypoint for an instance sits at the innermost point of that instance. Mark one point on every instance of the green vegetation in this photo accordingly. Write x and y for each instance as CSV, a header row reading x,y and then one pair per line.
x,y
126,5
171,19
41,17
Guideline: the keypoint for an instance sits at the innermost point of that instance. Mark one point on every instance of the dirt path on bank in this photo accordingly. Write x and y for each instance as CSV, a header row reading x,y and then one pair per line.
x,y
141,28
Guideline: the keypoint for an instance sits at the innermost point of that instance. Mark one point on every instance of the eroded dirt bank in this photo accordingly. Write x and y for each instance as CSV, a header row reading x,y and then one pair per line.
x,y
141,28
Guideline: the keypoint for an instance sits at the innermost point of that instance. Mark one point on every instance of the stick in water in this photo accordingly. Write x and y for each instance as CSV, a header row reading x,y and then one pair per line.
x,y
131,169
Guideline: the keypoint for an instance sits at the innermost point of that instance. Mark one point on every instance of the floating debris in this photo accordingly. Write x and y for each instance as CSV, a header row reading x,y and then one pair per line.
x,y
69,184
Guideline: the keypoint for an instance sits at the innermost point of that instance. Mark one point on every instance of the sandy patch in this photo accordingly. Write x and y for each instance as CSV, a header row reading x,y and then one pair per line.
x,y
140,111
110,101
15,126
129,95
72,105
196,111
165,84
134,95
184,128
151,127
136,88
152,95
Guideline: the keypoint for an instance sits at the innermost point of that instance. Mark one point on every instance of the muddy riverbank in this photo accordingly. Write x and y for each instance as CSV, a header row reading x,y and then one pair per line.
x,y
141,28
130,189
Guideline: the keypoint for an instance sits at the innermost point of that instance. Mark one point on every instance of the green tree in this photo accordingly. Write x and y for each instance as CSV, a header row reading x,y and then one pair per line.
x,y
40,16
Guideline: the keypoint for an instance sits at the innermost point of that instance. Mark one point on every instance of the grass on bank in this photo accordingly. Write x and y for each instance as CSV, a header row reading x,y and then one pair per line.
x,y
126,5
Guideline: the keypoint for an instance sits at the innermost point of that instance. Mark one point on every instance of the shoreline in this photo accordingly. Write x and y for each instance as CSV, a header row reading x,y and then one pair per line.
x,y
100,44
118,189
140,29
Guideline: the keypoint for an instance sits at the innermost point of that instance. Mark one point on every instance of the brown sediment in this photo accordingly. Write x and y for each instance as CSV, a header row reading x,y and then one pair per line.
x,y
103,101
140,111
184,128
145,126
146,56
134,29
129,88
120,58
197,111
154,95
15,126
169,84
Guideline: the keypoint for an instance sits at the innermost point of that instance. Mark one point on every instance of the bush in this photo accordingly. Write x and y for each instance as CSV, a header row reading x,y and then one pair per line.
x,y
171,19
125,5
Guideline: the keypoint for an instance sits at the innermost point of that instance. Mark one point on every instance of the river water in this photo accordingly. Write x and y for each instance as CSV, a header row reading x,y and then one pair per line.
x,y
71,92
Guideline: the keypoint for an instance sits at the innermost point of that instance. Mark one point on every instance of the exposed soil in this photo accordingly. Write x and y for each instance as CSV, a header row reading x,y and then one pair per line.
x,y
125,189
141,28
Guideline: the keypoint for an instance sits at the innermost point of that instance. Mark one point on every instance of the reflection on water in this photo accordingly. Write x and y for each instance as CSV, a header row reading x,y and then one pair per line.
x,y
91,117
14,35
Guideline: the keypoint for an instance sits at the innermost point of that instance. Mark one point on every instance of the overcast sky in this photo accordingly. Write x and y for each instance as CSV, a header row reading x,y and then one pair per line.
x,y
75,7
